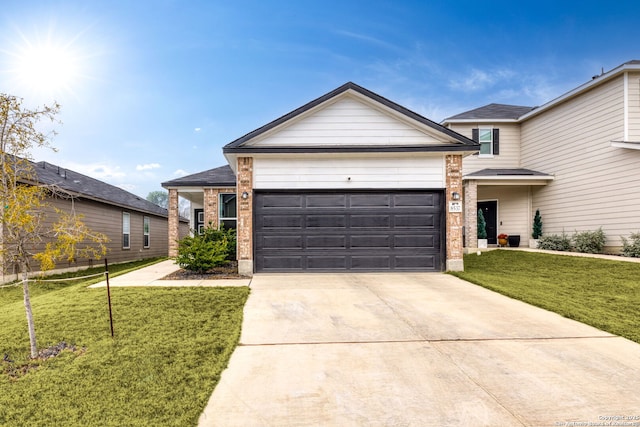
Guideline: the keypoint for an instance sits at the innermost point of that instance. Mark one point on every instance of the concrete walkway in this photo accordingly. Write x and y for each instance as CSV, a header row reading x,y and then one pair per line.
x,y
153,274
416,350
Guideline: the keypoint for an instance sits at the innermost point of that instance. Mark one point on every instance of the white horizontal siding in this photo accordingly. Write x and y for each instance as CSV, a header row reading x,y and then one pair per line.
x,y
509,156
514,210
634,106
365,173
596,184
348,121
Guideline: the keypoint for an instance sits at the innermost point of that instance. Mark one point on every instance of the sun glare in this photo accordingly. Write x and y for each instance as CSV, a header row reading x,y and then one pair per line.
x,y
48,67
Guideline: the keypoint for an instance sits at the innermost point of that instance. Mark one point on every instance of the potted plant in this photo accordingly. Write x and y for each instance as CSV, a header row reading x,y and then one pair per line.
x,y
502,239
537,230
482,230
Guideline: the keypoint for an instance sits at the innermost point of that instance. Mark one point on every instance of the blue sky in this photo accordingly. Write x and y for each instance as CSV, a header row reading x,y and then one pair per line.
x,y
152,90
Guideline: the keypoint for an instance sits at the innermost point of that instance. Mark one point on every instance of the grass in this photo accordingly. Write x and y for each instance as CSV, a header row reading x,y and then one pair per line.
x,y
601,293
170,347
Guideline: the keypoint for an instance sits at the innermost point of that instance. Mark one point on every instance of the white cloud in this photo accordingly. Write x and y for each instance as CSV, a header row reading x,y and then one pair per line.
x,y
180,172
97,170
127,187
197,129
148,166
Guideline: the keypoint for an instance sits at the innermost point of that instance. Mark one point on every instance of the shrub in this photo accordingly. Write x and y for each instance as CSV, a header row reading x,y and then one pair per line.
x,y
631,249
482,225
591,242
537,225
555,242
212,248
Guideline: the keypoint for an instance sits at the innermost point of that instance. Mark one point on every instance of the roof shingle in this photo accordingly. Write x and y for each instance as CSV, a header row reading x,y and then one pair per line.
x,y
493,111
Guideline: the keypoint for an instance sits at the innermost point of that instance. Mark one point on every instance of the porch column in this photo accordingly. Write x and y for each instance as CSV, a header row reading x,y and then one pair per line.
x,y
454,219
471,214
211,207
174,223
245,216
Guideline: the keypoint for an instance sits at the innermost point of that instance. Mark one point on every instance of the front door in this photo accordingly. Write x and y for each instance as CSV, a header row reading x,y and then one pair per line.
x,y
490,212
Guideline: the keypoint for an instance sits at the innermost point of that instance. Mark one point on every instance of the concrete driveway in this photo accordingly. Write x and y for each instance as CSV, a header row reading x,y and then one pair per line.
x,y
417,350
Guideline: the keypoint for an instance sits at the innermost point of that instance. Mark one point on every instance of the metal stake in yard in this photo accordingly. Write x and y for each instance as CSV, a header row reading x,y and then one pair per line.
x,y
106,273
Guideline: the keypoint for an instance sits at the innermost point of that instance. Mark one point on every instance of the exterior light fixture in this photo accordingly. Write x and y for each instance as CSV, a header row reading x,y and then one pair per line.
x,y
455,195
245,195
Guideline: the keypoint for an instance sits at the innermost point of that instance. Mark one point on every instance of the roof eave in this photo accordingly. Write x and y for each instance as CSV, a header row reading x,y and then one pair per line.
x,y
355,149
582,88
462,121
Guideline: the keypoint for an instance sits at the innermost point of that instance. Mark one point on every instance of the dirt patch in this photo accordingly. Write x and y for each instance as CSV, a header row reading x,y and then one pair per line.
x,y
17,370
228,271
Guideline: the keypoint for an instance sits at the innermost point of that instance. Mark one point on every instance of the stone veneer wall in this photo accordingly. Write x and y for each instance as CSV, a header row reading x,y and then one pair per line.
x,y
174,223
454,219
245,216
471,213
210,207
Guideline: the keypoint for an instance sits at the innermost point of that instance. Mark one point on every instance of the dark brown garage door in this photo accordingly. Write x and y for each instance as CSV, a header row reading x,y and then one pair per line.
x,y
363,231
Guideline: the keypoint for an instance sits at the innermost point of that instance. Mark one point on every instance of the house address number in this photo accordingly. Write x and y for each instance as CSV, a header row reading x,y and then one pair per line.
x,y
455,206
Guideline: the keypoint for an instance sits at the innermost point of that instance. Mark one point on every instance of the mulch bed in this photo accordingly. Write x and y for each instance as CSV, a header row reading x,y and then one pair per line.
x,y
228,271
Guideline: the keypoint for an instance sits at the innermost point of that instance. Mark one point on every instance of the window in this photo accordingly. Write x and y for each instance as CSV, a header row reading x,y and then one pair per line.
x,y
145,231
228,216
486,142
126,230
488,139
199,220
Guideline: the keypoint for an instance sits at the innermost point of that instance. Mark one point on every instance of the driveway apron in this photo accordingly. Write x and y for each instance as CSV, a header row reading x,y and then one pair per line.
x,y
420,349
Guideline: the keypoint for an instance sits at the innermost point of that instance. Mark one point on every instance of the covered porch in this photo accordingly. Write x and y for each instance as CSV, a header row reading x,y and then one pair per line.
x,y
506,199
212,198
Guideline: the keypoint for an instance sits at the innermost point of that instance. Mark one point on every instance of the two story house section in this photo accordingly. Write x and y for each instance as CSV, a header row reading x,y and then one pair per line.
x,y
574,158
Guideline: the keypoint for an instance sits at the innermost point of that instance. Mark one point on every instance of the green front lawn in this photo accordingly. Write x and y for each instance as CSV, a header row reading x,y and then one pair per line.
x,y
170,347
601,293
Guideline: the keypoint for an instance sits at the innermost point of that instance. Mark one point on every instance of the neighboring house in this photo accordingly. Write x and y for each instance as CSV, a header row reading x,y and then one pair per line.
x,y
348,182
574,158
136,228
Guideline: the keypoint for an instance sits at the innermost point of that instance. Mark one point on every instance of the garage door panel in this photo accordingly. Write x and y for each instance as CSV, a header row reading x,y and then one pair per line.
x,y
370,201
326,201
370,221
279,242
426,220
281,221
369,241
326,221
415,241
413,262
354,230
280,263
326,262
326,242
412,200
371,263
281,201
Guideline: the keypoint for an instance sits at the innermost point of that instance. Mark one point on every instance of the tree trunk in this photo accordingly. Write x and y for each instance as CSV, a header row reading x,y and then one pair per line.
x,y
27,307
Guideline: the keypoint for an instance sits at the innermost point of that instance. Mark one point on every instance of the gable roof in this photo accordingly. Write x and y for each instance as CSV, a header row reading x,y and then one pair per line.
x,y
90,188
492,112
240,144
222,176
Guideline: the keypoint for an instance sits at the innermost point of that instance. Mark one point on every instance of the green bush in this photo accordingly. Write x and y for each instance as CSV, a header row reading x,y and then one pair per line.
x,y
482,225
202,252
591,242
555,242
631,249
537,225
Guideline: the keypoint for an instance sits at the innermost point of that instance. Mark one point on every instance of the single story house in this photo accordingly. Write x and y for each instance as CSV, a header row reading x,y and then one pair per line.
x,y
355,182
136,228
350,181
